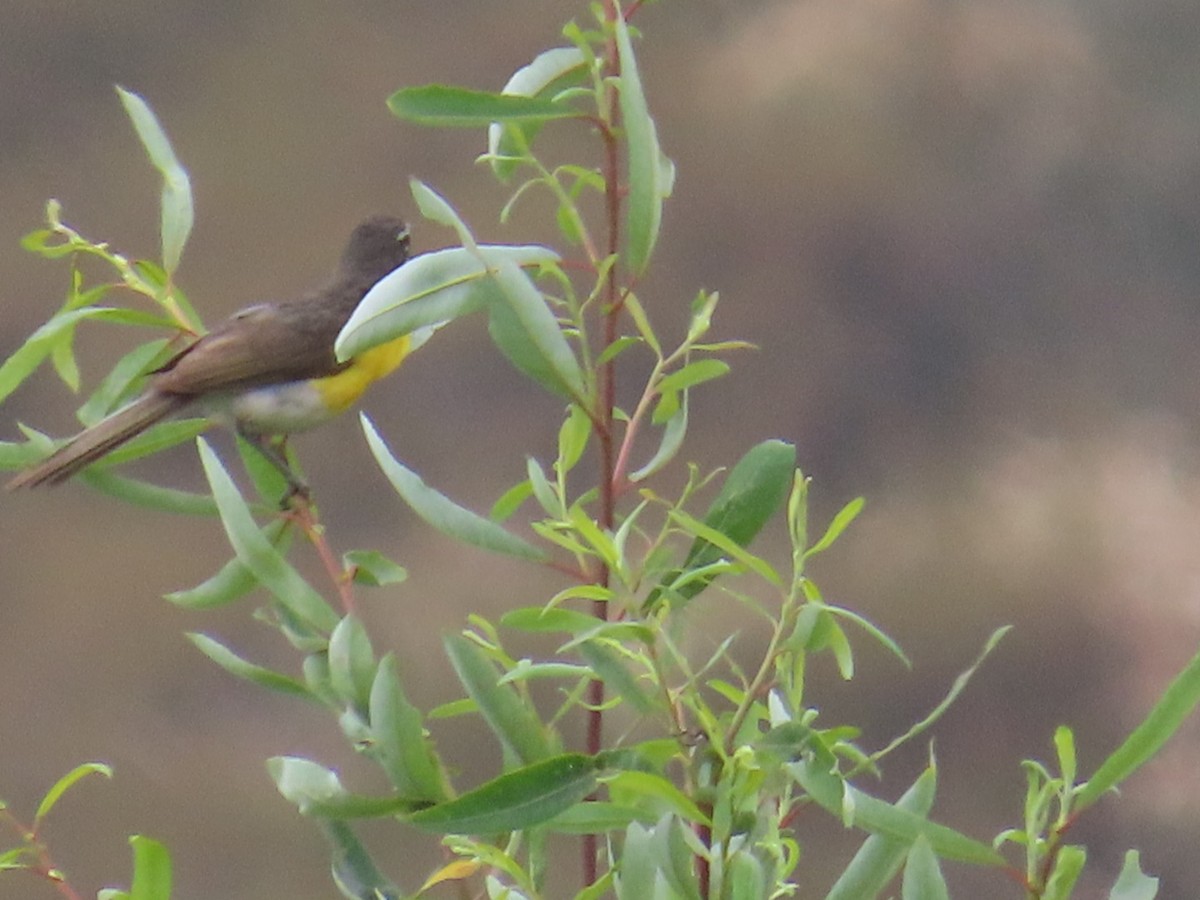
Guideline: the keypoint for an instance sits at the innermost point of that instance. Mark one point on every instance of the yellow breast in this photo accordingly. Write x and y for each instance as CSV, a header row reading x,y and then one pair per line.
x,y
340,391
300,405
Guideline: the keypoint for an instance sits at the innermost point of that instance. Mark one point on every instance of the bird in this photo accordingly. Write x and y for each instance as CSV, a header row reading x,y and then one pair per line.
x,y
266,371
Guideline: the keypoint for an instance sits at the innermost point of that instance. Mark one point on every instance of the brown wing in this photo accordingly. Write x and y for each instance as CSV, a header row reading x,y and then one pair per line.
x,y
268,344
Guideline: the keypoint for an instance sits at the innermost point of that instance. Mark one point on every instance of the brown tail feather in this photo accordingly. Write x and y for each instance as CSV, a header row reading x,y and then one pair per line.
x,y
103,437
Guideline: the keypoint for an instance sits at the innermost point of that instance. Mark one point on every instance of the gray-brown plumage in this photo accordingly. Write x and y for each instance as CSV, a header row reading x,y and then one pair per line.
x,y
265,345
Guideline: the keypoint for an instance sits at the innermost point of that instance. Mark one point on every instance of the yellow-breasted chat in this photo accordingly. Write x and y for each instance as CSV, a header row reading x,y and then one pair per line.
x,y
265,371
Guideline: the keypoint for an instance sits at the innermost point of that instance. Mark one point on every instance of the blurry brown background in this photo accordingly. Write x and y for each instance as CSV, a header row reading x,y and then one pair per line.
x,y
964,235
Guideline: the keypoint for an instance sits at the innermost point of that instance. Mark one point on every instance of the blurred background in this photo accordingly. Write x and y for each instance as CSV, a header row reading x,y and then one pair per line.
x,y
963,234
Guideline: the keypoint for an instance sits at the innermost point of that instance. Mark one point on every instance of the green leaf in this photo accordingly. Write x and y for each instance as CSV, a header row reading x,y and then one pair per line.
x,y
960,684
1068,866
650,173
1132,884
745,877
438,104
373,568
550,72
597,817
64,784
241,668
441,512
648,789
400,742
117,383
233,581
177,214
840,522
351,662
922,875
543,491
871,814
155,439
605,658
510,717
573,437
510,501
527,332
672,439
317,791
148,496
537,619
1175,705
26,358
879,858
753,491
353,870
430,290
151,870
693,374
515,801
257,553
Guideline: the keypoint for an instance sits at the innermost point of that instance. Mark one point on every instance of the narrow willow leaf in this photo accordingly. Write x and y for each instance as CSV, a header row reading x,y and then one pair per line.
x,y
527,332
1068,866
668,446
922,875
155,439
437,104
515,801
351,662
257,553
26,358
510,501
399,738
674,850
607,661
960,684
148,496
693,374
436,208
62,355
177,214
353,870
550,72
373,568
873,630
879,858
745,877
840,522
650,174
151,870
543,491
233,580
525,670
118,382
1175,705
598,817
573,437
643,788
538,619
753,491
65,783
241,668
428,291
441,512
878,817
506,712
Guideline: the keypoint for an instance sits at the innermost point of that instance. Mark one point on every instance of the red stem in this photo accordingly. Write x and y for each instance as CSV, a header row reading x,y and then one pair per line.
x,y
604,415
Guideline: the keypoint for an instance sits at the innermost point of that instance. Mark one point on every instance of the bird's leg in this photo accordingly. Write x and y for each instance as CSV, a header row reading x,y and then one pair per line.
x,y
276,454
